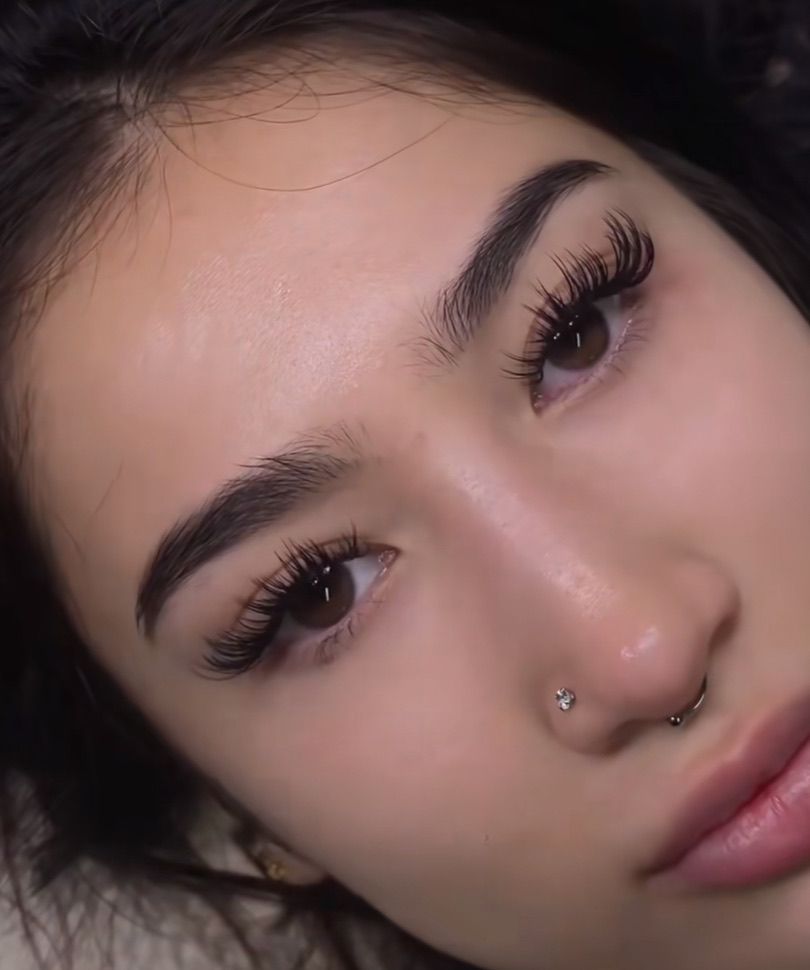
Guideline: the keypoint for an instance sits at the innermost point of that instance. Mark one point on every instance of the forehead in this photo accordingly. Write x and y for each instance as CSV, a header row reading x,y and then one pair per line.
x,y
272,262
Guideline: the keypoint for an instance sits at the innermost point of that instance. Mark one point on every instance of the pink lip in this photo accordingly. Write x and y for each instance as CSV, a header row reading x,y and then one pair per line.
x,y
748,820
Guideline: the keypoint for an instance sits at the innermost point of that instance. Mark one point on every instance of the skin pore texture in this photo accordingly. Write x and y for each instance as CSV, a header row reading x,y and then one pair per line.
x,y
637,527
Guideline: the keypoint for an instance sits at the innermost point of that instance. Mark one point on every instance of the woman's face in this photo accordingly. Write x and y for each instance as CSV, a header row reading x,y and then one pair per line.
x,y
306,355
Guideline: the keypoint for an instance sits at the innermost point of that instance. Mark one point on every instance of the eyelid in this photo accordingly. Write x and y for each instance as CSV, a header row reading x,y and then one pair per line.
x,y
588,276
634,334
625,245
251,639
260,611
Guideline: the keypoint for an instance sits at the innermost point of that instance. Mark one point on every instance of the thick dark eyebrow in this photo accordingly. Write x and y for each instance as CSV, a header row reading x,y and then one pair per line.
x,y
274,487
270,489
465,303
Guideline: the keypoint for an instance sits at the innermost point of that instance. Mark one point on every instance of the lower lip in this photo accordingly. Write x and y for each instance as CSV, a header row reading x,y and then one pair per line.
x,y
769,837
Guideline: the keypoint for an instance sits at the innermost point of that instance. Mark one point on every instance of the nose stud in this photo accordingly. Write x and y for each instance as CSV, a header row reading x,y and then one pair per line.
x,y
565,699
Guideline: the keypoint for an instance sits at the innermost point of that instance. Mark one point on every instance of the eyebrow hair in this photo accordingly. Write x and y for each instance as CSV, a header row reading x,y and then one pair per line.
x,y
271,488
464,304
275,486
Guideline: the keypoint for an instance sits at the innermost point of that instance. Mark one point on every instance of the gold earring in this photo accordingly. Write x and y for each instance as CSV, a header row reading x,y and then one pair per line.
x,y
277,871
270,865
261,853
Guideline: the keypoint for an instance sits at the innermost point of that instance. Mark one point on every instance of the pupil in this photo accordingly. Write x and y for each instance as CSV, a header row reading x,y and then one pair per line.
x,y
325,599
583,342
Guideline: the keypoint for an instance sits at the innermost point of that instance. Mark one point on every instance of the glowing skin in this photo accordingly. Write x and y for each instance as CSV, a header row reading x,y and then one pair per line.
x,y
634,534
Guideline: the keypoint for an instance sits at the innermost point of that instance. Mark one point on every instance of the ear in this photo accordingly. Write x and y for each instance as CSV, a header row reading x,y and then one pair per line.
x,y
283,865
263,851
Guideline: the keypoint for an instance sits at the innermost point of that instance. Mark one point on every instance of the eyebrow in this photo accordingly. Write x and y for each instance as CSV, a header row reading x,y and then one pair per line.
x,y
274,487
465,303
268,490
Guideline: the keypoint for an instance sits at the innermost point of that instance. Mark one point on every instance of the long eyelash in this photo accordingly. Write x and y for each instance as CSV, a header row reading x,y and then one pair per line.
x,y
244,647
588,277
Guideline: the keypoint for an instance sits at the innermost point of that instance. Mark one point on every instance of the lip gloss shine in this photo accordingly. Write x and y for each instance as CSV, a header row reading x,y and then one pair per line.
x,y
768,836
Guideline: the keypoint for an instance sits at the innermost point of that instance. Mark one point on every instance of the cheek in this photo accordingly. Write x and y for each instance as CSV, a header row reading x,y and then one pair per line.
x,y
747,407
721,449
710,424
405,744
374,765
408,770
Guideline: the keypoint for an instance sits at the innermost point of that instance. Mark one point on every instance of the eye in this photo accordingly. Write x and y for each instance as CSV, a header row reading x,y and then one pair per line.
x,y
592,320
328,596
582,343
308,609
585,339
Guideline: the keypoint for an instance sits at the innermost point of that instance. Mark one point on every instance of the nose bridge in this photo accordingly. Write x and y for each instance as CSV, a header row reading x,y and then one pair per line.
x,y
602,595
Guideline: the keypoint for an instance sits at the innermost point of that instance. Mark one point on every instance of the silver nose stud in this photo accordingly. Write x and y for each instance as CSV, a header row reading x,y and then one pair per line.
x,y
565,699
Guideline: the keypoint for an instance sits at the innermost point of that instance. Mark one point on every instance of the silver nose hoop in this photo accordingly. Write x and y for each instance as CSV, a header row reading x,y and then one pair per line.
x,y
676,720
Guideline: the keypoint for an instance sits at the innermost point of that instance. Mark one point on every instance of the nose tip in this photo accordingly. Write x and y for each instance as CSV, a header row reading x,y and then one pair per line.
x,y
657,676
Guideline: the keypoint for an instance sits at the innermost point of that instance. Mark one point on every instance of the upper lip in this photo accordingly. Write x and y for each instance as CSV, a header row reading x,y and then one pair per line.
x,y
727,787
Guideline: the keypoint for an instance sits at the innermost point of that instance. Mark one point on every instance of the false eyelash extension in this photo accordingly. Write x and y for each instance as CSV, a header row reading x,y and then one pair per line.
x,y
588,277
246,646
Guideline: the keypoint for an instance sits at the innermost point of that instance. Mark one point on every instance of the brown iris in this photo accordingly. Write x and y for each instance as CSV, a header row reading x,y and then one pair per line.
x,y
583,342
323,599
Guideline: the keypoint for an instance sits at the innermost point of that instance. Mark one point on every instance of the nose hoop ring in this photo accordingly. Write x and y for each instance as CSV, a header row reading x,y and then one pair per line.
x,y
676,720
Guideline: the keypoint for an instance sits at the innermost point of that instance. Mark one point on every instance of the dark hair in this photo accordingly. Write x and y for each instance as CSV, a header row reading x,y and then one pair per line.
x,y
83,776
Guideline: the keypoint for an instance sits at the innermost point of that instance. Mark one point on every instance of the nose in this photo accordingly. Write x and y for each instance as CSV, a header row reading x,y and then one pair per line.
x,y
636,650
595,581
